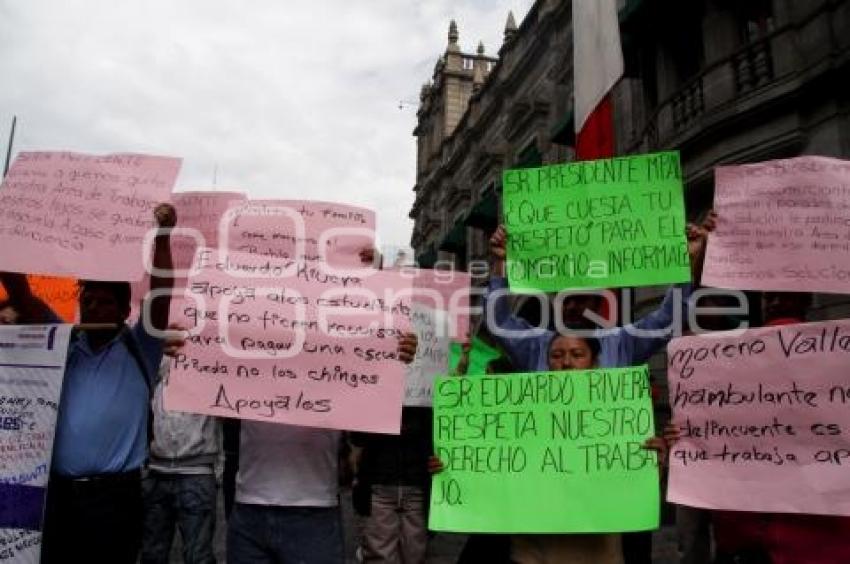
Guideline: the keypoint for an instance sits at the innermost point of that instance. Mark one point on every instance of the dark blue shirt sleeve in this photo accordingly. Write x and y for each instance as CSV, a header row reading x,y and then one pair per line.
x,y
650,333
150,347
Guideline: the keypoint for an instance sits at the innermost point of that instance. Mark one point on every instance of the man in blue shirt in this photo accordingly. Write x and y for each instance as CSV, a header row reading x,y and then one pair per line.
x,y
94,507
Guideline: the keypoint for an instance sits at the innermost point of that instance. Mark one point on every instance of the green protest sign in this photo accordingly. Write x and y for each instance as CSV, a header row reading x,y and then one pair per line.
x,y
480,355
596,224
547,452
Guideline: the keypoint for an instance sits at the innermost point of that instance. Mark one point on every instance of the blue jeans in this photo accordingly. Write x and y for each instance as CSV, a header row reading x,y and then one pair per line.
x,y
263,534
187,502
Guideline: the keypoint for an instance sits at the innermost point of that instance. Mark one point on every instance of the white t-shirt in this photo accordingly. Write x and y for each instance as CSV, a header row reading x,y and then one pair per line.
x,y
287,465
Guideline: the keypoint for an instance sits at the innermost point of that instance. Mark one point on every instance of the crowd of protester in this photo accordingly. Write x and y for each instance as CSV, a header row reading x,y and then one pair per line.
x,y
127,474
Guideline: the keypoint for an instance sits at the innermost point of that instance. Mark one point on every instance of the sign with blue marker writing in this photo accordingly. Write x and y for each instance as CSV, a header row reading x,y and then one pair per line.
x,y
546,452
32,365
608,223
432,353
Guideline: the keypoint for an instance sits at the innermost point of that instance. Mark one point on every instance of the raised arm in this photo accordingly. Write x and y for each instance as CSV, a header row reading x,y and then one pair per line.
x,y
166,218
653,331
522,341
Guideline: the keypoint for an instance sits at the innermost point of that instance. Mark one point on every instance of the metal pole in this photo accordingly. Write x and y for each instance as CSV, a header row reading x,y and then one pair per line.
x,y
9,146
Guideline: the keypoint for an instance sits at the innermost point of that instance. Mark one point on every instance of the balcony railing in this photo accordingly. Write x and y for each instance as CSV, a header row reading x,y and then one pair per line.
x,y
688,103
753,66
718,85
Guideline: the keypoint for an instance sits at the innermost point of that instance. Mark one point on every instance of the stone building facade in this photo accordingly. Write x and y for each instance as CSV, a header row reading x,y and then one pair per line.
x,y
479,115
722,81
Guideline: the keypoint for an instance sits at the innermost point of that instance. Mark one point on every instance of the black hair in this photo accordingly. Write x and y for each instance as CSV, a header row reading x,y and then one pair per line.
x,y
119,290
501,365
592,343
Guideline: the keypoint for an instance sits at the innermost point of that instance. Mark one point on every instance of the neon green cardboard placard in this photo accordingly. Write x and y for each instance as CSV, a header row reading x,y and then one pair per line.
x,y
480,355
607,223
547,452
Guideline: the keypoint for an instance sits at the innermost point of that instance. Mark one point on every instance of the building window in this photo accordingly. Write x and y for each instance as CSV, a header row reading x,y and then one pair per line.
x,y
756,19
687,49
753,64
649,74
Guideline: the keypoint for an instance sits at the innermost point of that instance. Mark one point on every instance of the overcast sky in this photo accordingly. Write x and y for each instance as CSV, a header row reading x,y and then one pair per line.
x,y
285,99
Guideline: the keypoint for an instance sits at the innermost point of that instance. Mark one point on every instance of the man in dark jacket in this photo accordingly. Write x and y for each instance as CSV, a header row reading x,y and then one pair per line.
x,y
392,489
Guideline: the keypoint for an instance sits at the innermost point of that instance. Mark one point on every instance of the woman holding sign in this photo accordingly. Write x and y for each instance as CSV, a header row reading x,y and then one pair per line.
x,y
630,345
535,349
567,353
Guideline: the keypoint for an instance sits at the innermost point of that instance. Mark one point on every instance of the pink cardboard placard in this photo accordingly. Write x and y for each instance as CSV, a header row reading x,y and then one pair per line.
x,y
84,216
329,232
783,225
764,418
199,215
202,211
311,348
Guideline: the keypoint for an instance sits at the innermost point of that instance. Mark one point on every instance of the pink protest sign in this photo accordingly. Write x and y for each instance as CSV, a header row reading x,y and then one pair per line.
x,y
84,216
287,342
201,211
764,418
328,232
783,225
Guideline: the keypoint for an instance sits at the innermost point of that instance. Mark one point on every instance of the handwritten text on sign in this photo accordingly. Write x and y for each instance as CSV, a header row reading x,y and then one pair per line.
x,y
783,225
308,349
432,354
83,216
32,364
596,224
516,444
332,235
765,419
203,212
301,230
199,216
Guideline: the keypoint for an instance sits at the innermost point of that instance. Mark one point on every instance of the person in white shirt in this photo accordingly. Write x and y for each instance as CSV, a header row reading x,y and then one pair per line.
x,y
287,499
